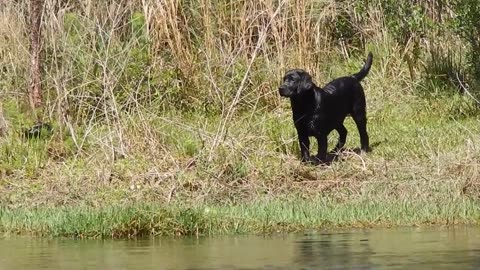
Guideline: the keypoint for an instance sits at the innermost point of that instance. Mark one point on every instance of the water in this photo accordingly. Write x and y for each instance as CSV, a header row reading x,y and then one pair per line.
x,y
431,248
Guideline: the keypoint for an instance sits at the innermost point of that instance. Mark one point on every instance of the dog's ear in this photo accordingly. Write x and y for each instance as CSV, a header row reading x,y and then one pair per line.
x,y
305,84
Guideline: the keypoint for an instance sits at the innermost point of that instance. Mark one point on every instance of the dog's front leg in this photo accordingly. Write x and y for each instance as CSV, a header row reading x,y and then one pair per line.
x,y
322,147
304,147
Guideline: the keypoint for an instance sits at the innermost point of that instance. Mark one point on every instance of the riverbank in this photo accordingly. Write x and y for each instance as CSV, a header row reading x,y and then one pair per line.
x,y
176,177
170,173
166,119
255,218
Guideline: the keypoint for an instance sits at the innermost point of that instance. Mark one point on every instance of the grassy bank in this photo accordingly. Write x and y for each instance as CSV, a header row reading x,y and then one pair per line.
x,y
254,182
167,120
258,218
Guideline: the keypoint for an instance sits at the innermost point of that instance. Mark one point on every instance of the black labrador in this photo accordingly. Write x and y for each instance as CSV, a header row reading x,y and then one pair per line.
x,y
317,111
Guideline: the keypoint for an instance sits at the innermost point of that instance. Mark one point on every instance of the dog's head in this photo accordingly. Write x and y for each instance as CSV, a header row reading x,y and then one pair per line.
x,y
295,83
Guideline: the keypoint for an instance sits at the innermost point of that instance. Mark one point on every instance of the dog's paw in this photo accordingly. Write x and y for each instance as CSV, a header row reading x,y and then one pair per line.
x,y
320,161
366,150
311,160
306,160
316,161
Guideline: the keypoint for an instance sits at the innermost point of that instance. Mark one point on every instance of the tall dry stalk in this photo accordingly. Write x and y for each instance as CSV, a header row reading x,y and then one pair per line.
x,y
222,128
35,85
171,28
3,122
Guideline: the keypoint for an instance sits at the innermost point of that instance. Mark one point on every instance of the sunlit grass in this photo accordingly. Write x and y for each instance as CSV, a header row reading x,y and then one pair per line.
x,y
253,218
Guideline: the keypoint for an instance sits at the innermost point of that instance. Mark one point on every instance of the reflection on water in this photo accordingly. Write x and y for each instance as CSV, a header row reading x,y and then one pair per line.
x,y
439,248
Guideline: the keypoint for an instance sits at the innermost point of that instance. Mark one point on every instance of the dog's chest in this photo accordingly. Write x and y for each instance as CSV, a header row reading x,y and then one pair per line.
x,y
310,124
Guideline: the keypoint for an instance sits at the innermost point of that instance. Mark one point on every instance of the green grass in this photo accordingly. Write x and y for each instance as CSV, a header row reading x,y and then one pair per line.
x,y
257,218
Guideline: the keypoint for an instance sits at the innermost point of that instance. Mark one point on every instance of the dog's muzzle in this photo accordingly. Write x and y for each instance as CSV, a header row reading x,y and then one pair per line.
x,y
284,92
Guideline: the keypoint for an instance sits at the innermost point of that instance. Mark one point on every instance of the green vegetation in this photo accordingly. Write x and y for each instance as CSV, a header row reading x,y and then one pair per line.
x,y
167,118
259,217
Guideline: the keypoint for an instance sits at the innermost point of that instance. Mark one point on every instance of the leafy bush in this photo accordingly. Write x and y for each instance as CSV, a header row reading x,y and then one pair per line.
x,y
466,24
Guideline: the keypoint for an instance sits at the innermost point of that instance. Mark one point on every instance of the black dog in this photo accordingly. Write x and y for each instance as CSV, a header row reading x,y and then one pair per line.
x,y
317,111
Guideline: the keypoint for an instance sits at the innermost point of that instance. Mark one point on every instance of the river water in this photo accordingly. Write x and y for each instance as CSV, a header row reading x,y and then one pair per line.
x,y
401,248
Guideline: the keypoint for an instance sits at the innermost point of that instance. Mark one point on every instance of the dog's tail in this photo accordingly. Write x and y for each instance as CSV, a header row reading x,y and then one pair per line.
x,y
365,69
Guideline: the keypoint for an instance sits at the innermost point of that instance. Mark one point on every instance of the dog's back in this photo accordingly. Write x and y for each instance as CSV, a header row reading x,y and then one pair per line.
x,y
347,89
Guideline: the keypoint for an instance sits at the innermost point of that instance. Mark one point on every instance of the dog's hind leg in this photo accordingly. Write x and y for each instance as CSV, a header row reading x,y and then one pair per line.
x,y
342,137
361,122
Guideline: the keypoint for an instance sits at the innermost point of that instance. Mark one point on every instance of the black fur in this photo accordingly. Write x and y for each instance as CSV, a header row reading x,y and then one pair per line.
x,y
318,111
